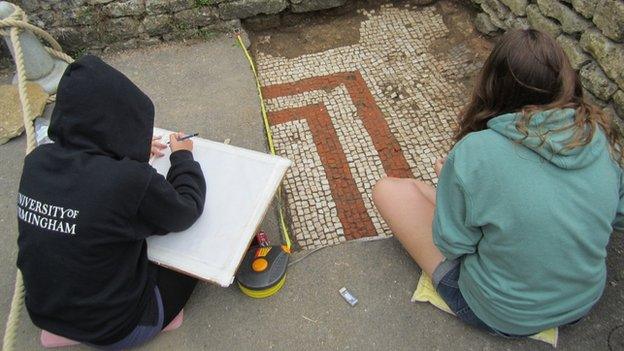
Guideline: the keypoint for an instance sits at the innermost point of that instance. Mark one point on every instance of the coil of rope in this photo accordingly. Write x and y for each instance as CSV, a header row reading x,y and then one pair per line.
x,y
14,25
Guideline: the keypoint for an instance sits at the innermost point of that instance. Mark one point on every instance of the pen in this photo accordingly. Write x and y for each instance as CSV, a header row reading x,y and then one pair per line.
x,y
186,137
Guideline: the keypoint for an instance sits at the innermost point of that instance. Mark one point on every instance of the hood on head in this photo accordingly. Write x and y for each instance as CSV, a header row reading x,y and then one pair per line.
x,y
545,124
100,111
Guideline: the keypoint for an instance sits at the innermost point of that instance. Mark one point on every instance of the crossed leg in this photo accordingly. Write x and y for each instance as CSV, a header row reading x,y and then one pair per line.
x,y
407,206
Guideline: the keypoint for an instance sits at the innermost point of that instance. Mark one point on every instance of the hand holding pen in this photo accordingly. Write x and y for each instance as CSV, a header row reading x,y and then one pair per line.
x,y
179,141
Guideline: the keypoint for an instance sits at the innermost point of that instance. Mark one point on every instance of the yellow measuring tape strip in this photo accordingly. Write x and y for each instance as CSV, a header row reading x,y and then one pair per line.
x,y
269,135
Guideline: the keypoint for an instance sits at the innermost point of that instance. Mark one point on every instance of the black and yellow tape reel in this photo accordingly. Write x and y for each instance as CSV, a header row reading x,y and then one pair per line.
x,y
263,271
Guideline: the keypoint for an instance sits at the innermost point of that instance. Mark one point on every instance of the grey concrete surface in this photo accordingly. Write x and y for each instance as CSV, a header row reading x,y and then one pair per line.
x,y
206,87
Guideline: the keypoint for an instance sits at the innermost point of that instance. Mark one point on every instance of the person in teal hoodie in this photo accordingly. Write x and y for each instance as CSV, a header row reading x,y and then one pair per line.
x,y
515,236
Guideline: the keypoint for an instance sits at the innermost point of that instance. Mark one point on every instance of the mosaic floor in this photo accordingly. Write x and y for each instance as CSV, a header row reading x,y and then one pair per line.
x,y
351,115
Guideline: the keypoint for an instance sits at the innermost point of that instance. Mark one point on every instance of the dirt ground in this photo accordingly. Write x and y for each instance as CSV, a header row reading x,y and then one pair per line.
x,y
324,30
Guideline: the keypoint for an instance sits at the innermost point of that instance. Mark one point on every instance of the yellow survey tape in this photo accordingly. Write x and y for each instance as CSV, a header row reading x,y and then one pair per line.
x,y
261,294
269,135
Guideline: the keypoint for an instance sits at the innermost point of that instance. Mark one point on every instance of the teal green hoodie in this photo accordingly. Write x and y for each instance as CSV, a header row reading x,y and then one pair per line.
x,y
530,221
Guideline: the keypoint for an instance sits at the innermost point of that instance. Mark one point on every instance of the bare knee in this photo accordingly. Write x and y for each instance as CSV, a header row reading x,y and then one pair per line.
x,y
401,204
382,189
389,189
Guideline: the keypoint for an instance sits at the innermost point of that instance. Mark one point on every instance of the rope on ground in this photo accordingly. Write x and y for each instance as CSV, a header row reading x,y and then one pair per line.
x,y
267,128
10,332
14,25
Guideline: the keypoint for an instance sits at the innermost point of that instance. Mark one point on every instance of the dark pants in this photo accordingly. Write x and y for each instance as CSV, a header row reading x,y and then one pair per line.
x,y
175,289
446,282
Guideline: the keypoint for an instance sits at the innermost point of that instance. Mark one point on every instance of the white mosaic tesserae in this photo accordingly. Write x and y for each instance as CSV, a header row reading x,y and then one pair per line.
x,y
418,90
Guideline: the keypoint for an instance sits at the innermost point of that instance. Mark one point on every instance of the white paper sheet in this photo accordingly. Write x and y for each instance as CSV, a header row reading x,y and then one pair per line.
x,y
240,185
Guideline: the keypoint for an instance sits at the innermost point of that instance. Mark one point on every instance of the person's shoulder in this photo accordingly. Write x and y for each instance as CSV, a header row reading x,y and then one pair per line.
x,y
42,152
131,167
479,145
479,154
477,140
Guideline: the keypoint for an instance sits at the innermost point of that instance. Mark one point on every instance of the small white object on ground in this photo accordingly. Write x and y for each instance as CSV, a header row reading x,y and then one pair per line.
x,y
352,300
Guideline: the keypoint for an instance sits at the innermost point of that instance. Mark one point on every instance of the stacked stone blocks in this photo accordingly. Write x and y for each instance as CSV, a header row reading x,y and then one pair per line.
x,y
99,25
591,33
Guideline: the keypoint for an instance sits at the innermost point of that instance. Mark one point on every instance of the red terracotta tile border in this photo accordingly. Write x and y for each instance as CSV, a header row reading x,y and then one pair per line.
x,y
349,204
385,143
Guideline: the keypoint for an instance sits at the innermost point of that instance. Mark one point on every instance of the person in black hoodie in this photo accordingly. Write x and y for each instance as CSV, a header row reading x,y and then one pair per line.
x,y
87,202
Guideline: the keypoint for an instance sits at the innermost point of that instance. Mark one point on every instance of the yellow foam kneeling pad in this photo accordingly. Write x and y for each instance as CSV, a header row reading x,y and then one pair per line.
x,y
426,293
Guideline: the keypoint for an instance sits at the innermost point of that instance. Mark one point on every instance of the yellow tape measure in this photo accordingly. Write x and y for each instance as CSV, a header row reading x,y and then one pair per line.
x,y
267,128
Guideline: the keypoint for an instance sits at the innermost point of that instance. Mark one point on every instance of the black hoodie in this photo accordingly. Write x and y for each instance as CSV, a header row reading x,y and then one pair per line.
x,y
87,202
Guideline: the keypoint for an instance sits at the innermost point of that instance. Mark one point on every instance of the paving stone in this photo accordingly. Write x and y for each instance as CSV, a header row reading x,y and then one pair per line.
x,y
594,79
80,16
573,50
125,8
517,23
249,8
612,114
123,45
30,5
609,55
516,6
491,13
121,28
484,24
570,21
591,98
609,18
71,39
539,21
618,102
314,5
498,9
585,7
158,24
167,6
198,17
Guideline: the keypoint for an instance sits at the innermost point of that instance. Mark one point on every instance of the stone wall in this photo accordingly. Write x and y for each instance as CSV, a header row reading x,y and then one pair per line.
x,y
591,33
99,25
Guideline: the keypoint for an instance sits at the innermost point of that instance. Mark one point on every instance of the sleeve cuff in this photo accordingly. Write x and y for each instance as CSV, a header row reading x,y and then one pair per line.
x,y
180,155
438,241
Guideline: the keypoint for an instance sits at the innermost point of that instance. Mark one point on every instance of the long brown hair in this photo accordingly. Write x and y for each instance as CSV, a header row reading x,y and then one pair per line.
x,y
527,72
